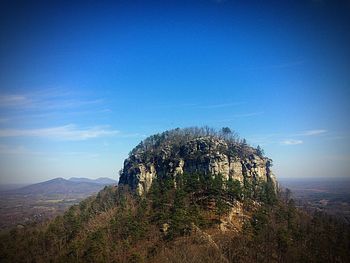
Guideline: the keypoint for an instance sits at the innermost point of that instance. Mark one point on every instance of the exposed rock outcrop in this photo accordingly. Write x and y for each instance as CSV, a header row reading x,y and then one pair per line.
x,y
203,154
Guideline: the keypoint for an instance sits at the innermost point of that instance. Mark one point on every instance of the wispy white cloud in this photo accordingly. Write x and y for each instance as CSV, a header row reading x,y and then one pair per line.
x,y
53,114
291,142
49,103
279,138
43,101
67,132
311,132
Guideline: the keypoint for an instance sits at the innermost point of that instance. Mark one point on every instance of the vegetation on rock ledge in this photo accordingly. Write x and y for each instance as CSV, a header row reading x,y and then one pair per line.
x,y
177,138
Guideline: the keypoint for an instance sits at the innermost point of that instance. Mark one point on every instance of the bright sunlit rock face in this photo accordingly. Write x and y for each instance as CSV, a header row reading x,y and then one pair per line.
x,y
176,152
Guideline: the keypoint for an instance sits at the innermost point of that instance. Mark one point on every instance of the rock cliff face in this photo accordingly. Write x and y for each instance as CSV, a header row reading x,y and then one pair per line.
x,y
202,154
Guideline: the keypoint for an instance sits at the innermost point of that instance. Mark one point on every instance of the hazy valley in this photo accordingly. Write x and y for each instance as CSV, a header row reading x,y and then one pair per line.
x,y
20,206
331,195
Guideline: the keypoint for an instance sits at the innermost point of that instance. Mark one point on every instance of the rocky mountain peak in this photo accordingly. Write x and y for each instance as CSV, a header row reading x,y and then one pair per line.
x,y
194,150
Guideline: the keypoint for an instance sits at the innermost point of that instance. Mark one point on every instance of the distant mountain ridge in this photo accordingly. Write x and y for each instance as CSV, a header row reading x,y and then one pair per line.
x,y
100,180
63,186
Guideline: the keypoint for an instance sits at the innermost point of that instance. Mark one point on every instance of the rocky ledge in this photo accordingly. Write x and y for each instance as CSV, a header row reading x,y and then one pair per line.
x,y
176,152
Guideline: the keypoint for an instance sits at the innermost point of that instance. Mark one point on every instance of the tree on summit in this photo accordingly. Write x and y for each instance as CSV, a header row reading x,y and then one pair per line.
x,y
226,130
260,151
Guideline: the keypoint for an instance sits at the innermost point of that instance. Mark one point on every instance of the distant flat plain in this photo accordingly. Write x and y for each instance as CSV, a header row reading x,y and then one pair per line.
x,y
330,195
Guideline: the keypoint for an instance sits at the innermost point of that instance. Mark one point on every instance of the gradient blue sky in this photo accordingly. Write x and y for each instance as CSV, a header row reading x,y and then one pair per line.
x,y
82,83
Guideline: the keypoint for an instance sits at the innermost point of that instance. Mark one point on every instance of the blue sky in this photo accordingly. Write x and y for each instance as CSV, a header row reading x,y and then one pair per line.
x,y
82,83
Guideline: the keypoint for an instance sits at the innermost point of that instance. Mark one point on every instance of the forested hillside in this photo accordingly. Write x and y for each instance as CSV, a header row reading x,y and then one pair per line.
x,y
176,226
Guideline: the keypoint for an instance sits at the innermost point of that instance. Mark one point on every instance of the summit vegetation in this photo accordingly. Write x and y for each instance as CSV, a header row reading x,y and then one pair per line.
x,y
177,138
